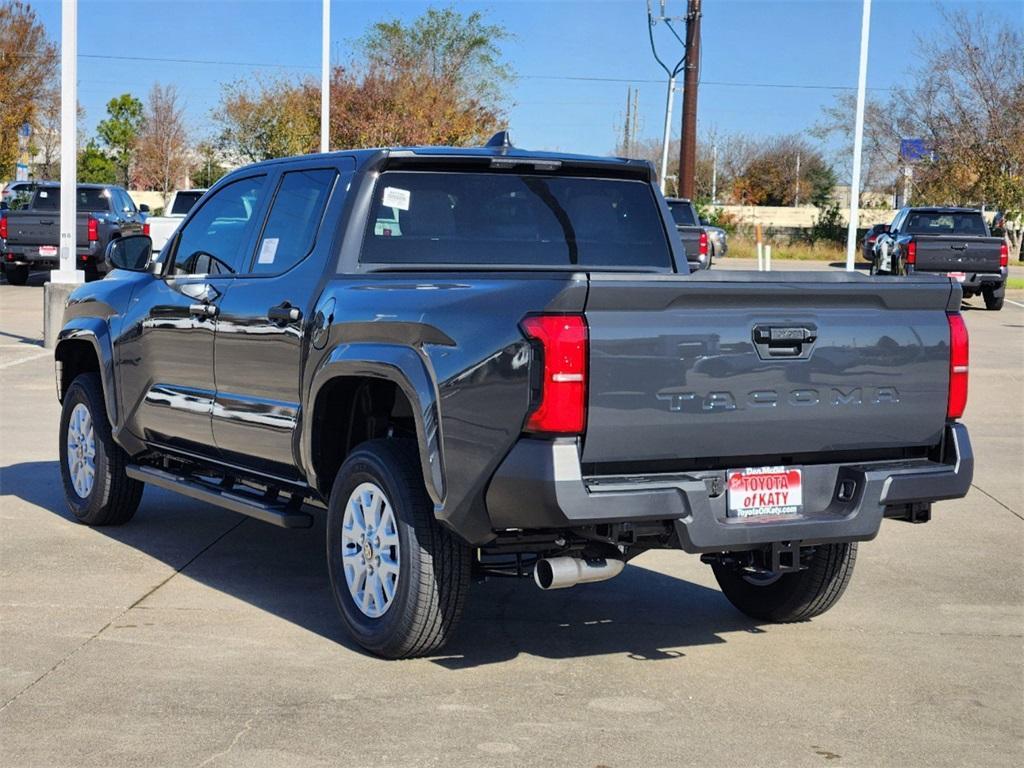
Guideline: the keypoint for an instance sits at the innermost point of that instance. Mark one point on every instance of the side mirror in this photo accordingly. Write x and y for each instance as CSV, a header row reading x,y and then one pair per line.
x,y
143,208
133,253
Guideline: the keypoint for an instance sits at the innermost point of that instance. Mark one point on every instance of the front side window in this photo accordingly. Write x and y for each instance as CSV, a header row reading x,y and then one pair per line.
x,y
213,242
294,219
467,218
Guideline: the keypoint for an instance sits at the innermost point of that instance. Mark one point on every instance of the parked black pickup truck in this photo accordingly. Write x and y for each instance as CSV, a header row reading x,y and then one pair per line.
x,y
477,357
691,232
30,236
946,241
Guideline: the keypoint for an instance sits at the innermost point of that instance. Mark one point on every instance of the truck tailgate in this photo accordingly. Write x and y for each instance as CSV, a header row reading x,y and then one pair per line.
x,y
713,366
26,228
950,253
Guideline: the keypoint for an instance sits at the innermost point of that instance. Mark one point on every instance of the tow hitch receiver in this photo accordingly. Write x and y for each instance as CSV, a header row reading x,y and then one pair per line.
x,y
776,558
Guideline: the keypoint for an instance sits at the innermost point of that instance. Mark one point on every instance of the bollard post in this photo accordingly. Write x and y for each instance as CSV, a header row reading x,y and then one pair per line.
x,y
767,258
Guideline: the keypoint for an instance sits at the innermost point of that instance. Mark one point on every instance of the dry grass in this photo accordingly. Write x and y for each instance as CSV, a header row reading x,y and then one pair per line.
x,y
741,247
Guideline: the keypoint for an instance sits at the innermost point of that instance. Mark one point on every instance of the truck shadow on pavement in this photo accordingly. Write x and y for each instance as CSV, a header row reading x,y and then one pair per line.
x,y
643,614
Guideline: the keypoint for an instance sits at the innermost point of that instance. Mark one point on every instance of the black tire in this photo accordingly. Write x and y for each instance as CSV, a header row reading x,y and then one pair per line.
x,y
797,596
994,297
874,267
17,274
114,496
434,567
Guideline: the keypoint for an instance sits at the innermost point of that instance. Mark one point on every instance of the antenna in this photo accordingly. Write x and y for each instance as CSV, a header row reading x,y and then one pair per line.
x,y
501,139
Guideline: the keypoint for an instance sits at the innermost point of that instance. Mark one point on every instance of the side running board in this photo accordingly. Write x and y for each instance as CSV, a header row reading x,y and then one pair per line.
x,y
286,515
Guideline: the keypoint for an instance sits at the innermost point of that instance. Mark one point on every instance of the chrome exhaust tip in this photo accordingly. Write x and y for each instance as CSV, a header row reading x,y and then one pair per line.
x,y
565,572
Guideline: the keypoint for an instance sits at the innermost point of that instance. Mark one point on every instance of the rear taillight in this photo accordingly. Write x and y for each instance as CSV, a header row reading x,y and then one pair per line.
x,y
145,229
703,248
3,227
959,355
1004,254
562,342
911,252
871,240
94,230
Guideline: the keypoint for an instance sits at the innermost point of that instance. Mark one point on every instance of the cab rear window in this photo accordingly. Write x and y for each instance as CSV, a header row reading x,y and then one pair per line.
x,y
425,217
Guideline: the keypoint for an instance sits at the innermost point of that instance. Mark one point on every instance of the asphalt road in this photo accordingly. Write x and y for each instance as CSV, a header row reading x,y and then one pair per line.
x,y
193,636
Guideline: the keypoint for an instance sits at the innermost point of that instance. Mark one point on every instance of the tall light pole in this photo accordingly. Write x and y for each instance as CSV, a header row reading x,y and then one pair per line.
x,y
672,72
325,79
68,154
858,136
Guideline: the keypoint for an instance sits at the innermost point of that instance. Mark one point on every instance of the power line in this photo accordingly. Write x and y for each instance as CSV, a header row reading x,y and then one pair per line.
x,y
570,78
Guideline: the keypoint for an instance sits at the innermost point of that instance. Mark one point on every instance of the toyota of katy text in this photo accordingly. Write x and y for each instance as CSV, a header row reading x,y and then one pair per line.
x,y
470,357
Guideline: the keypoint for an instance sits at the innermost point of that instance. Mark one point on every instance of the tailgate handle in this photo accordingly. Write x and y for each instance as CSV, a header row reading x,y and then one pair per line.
x,y
959,247
784,341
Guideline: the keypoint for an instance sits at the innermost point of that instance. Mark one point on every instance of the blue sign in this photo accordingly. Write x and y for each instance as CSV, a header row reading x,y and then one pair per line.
x,y
915,149
25,130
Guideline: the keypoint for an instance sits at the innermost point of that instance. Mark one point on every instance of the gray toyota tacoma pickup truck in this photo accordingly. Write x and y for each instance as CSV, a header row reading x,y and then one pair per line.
x,y
489,359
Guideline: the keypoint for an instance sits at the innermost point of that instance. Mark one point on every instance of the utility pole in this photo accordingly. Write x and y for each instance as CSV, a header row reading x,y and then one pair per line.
x,y
688,142
796,193
672,72
714,174
626,138
325,79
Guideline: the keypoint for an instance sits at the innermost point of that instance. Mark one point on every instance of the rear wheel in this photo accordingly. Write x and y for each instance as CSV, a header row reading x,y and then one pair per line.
x,y
796,596
17,274
993,297
92,466
399,579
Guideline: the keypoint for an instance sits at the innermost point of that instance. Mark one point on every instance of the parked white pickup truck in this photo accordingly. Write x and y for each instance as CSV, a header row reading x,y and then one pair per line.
x,y
162,227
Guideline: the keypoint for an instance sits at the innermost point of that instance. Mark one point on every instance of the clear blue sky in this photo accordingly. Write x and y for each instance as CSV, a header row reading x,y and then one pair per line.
x,y
806,43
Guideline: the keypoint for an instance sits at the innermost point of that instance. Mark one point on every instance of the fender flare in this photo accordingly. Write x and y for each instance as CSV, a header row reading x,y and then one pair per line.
x,y
408,369
95,331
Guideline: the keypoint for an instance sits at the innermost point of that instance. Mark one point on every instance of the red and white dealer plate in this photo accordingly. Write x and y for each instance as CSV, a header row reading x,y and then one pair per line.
x,y
47,250
765,491
958,276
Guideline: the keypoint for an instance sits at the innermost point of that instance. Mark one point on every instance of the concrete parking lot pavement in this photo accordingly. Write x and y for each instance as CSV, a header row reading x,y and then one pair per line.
x,y
193,636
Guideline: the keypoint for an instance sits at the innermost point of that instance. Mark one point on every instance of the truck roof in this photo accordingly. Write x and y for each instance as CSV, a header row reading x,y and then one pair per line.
x,y
942,209
641,168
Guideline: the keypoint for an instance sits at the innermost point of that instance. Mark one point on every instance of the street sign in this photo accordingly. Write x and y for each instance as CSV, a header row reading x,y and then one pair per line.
x,y
25,130
21,172
912,150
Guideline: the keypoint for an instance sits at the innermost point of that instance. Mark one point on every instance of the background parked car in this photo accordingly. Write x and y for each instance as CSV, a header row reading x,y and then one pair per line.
x,y
30,234
867,245
717,240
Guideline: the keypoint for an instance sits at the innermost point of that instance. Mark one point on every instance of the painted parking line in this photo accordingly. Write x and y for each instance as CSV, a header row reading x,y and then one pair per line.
x,y
28,359
1015,303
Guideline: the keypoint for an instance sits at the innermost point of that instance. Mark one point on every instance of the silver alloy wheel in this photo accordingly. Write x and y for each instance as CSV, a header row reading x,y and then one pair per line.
x,y
81,450
370,550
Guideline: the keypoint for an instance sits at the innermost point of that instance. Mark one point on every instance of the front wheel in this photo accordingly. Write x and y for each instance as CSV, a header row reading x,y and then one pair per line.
x,y
399,579
97,489
789,597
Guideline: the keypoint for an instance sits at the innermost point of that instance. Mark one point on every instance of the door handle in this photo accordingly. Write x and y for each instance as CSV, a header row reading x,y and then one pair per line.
x,y
284,313
203,310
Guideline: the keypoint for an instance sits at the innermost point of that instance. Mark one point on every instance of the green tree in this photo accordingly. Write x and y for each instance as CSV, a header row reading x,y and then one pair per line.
x,y
95,166
207,167
120,133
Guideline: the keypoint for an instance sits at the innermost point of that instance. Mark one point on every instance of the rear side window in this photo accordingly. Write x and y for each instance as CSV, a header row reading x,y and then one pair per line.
x,y
183,202
294,219
682,213
90,199
422,217
937,223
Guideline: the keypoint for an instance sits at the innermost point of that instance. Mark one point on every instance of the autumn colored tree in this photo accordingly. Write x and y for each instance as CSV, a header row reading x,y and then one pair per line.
x,y
162,147
28,70
437,80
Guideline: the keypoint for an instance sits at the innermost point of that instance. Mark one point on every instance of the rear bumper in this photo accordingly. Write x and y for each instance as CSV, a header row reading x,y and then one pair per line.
x,y
540,486
16,255
975,281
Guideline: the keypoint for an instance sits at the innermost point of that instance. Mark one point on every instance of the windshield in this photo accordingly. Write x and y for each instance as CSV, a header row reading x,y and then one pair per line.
x,y
682,213
90,199
183,202
501,218
936,223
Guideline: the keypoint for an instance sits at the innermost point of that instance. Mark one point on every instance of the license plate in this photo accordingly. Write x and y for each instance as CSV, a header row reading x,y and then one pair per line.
x,y
765,492
958,276
47,250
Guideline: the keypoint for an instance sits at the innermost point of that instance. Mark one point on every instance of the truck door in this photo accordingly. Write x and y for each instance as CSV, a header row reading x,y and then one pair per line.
x,y
165,355
263,325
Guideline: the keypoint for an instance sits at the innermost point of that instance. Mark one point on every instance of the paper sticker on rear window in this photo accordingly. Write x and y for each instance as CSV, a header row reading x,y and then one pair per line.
x,y
268,250
396,198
